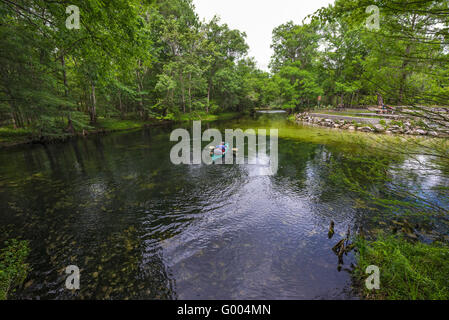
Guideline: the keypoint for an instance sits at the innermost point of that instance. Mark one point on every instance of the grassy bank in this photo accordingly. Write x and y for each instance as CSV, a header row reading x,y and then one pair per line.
x,y
10,136
408,271
113,124
13,266
203,116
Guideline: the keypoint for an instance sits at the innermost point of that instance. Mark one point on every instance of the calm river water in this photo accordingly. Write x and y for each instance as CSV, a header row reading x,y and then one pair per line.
x,y
140,227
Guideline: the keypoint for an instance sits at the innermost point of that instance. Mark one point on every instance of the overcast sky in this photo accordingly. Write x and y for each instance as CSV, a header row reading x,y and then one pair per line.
x,y
258,18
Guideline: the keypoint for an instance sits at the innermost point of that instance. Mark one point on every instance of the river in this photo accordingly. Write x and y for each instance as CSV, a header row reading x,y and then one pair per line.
x,y
140,227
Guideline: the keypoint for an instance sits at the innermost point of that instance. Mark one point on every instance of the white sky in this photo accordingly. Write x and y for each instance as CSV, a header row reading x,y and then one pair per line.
x,y
258,18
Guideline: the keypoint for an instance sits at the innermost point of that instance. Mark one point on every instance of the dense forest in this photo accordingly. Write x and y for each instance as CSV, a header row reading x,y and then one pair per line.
x,y
143,59
342,55
137,59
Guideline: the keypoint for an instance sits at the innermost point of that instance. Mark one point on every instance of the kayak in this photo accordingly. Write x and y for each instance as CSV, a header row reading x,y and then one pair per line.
x,y
218,156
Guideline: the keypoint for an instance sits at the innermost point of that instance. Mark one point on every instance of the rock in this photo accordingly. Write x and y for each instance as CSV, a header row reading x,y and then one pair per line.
x,y
379,128
397,130
421,132
388,132
433,133
351,128
365,129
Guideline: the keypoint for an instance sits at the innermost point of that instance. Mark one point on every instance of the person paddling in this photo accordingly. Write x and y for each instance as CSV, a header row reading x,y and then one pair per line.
x,y
221,148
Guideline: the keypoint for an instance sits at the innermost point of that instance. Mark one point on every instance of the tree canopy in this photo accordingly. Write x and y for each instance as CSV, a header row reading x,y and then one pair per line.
x,y
132,58
147,59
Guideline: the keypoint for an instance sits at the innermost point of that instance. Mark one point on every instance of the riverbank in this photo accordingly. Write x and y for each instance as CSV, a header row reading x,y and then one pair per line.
x,y
367,124
203,116
408,270
13,266
10,137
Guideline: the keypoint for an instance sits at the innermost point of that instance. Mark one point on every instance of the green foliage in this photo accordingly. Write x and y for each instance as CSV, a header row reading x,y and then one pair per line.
x,y
13,266
405,61
115,124
408,271
203,116
9,134
396,123
145,59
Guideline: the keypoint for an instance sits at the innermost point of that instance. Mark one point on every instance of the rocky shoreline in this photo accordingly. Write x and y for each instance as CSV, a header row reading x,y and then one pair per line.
x,y
406,126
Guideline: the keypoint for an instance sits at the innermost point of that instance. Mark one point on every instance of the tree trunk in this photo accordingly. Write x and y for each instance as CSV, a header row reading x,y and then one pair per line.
x,y
208,97
182,93
380,100
190,92
93,110
64,77
120,106
70,128
142,112
402,84
341,104
13,120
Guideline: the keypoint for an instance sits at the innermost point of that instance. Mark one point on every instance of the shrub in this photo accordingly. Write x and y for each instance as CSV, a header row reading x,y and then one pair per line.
x,y
396,123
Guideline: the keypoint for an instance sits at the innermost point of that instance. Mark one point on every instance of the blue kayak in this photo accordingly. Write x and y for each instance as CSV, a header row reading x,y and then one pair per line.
x,y
218,156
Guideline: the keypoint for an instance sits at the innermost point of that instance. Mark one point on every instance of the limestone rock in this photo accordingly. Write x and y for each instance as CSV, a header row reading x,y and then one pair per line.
x,y
379,128
365,129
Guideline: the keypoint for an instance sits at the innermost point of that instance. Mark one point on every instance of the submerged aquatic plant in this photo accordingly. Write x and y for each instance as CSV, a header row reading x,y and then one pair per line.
x,y
13,266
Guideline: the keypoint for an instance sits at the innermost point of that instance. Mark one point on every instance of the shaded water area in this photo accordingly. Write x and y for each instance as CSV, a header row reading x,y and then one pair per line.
x,y
140,227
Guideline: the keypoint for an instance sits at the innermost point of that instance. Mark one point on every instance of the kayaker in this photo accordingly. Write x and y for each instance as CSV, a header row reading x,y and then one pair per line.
x,y
221,147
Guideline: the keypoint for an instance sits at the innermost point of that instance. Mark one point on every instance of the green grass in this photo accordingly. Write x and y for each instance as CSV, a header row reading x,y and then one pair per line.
x,y
13,266
203,116
9,134
408,271
112,124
